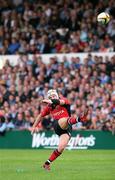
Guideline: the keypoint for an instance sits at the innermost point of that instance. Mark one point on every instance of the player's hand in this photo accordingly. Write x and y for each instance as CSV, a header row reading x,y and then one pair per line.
x,y
48,101
33,130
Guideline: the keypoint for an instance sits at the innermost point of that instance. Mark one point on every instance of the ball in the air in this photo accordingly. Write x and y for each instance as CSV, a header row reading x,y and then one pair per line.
x,y
103,18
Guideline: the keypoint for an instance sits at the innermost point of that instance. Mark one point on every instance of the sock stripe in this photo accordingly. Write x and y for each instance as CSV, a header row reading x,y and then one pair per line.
x,y
48,161
68,120
72,120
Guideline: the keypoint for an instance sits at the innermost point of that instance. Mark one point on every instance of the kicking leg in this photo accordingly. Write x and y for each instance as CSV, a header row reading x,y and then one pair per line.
x,y
81,118
63,122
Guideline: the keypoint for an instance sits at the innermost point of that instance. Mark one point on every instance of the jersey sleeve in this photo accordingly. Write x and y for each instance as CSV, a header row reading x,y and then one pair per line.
x,y
45,111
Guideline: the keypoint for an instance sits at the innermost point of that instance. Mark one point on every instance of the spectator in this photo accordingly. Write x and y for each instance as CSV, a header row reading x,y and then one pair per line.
x,y
19,123
83,82
3,125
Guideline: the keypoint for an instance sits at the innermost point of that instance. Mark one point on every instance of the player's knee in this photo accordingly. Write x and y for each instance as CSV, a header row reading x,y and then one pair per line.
x,y
61,148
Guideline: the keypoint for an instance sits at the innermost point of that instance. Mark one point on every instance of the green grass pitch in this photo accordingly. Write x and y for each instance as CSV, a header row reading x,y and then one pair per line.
x,y
72,165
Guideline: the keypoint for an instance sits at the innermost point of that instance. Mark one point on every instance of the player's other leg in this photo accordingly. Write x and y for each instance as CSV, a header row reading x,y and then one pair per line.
x,y
63,141
81,118
64,122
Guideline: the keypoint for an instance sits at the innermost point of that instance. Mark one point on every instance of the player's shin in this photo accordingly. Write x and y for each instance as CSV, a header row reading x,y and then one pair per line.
x,y
53,156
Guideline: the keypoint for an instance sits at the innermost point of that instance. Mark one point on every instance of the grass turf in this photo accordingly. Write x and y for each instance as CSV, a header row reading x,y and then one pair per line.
x,y
71,165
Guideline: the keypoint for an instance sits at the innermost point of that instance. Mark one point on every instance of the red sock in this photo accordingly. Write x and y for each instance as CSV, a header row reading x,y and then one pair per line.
x,y
53,156
72,120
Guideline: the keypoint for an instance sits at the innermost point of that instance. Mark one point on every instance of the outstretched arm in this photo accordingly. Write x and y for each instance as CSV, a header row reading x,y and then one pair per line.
x,y
55,101
45,111
38,119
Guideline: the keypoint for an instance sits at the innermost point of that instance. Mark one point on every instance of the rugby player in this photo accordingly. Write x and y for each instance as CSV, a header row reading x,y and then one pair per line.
x,y
59,109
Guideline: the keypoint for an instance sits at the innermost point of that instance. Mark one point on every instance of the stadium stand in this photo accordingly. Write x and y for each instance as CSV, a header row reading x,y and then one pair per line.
x,y
85,84
38,27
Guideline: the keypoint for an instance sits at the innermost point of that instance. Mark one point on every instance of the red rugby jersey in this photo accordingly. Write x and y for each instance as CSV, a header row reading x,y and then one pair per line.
x,y
59,112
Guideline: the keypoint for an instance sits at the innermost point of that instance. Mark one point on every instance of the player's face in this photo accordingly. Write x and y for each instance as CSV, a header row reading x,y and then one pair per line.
x,y
53,96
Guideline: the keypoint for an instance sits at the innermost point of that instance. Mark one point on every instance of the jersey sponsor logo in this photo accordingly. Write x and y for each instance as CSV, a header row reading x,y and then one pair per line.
x,y
58,113
78,142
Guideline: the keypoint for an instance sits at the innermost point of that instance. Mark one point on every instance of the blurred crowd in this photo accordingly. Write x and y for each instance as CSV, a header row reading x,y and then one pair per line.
x,y
51,26
91,83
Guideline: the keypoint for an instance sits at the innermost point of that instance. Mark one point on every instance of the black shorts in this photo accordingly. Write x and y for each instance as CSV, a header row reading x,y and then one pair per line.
x,y
59,131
